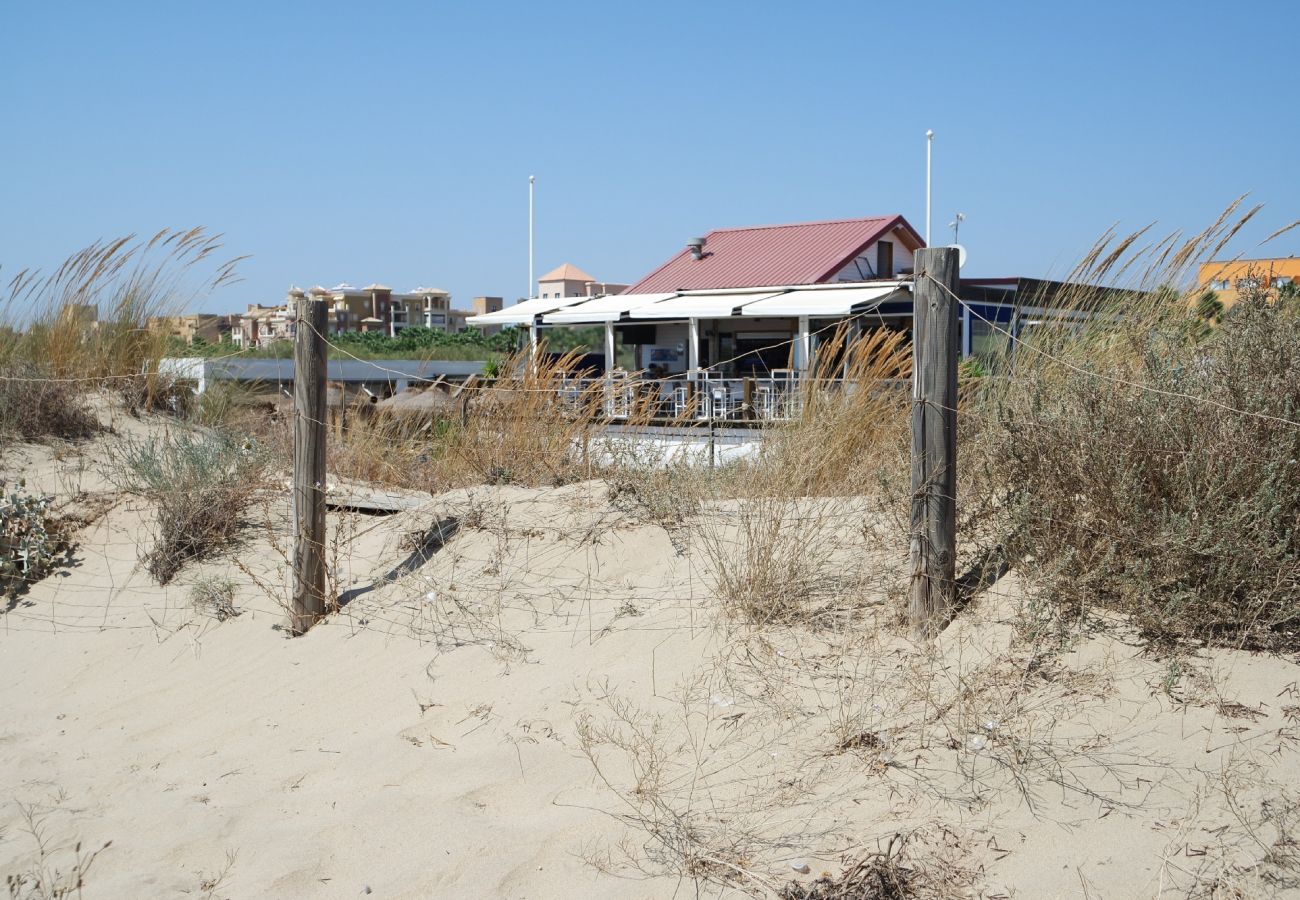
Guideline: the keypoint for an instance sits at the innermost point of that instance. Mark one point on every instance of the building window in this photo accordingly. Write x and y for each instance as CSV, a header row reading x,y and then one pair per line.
x,y
1281,281
1221,285
1247,284
885,259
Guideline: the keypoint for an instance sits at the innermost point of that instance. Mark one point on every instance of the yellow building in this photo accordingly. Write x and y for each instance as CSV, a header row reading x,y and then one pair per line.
x,y
1229,279
375,307
205,326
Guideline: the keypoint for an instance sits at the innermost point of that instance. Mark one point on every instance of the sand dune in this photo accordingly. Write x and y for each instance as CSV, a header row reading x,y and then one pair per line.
x,y
436,737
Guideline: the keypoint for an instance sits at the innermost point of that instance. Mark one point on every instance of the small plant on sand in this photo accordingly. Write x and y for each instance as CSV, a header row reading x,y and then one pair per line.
x,y
214,596
56,873
877,876
201,482
770,560
31,541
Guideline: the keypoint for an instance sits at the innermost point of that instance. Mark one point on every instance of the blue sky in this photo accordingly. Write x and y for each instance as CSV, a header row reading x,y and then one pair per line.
x,y
393,141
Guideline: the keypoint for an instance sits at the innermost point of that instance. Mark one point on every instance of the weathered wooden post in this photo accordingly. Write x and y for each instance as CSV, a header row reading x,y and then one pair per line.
x,y
308,465
935,341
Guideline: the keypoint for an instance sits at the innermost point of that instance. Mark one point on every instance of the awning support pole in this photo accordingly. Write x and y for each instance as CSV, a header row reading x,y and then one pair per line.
x,y
802,346
967,344
693,345
609,347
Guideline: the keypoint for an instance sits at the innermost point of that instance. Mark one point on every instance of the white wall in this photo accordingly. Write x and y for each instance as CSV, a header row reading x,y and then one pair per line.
x,y
864,266
562,288
669,335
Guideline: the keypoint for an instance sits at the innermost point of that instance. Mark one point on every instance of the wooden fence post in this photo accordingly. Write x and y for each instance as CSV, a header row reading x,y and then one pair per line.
x,y
308,466
935,345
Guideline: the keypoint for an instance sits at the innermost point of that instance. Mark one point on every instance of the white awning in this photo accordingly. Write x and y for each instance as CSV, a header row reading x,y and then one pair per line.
x,y
830,301
699,305
524,312
609,308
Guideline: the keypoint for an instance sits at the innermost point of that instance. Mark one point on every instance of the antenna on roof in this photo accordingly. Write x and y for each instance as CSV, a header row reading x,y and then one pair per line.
x,y
696,246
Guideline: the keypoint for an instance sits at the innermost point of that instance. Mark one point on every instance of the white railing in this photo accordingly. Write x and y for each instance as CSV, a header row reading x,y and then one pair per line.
x,y
703,397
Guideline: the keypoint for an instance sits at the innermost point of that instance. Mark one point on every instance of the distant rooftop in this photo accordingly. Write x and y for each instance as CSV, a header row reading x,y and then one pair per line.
x,y
566,272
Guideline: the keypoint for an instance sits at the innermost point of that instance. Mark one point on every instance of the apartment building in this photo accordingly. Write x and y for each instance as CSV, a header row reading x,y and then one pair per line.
x,y
373,308
1230,279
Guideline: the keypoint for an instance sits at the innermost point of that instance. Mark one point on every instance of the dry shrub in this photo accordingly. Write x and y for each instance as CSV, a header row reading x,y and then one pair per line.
x,y
34,406
201,482
877,876
1151,462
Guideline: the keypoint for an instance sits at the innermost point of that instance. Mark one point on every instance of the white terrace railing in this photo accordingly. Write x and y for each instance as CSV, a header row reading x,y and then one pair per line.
x,y
703,397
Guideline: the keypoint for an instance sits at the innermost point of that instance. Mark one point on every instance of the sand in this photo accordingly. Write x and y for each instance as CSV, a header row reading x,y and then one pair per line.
x,y
436,737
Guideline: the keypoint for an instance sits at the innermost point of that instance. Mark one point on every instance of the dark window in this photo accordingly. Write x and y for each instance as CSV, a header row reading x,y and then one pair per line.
x,y
884,259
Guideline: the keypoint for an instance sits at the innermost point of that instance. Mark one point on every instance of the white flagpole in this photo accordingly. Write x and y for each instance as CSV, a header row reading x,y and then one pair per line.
x,y
929,145
531,180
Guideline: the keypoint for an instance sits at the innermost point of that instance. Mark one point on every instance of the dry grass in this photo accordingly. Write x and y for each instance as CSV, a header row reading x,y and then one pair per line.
x,y
782,552
85,326
523,427
214,596
845,431
127,280
57,872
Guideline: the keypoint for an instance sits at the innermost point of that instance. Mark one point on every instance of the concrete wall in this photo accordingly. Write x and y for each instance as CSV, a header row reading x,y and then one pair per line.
x,y
401,372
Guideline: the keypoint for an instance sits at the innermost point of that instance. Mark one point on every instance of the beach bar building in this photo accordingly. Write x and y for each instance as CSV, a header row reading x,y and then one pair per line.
x,y
739,313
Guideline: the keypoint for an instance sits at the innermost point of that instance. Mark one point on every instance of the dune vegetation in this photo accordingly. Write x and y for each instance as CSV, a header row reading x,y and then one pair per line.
x,y
574,665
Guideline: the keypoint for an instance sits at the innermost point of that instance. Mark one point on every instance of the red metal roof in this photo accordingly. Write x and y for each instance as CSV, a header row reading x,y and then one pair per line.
x,y
808,253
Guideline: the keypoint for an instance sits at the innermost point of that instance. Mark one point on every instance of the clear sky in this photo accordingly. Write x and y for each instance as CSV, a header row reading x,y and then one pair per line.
x,y
392,142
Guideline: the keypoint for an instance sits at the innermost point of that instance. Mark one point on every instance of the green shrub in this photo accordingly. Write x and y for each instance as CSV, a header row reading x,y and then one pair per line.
x,y
31,541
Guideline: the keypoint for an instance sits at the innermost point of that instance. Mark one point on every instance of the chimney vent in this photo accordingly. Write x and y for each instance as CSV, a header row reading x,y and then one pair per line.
x,y
696,246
